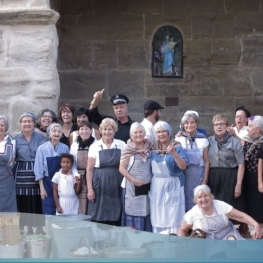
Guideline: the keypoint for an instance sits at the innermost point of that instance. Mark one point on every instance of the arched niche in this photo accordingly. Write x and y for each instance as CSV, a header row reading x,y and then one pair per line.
x,y
167,53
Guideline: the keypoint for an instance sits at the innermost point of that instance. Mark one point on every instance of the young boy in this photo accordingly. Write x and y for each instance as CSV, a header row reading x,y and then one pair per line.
x,y
66,187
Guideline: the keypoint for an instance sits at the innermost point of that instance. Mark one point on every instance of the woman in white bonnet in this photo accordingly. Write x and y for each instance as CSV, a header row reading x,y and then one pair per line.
x,y
212,216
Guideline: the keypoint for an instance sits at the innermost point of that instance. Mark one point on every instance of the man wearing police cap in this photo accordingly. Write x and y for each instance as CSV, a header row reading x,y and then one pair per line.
x,y
120,108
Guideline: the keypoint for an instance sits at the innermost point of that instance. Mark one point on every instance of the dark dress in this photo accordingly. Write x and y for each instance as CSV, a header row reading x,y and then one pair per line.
x,y
106,183
7,182
253,198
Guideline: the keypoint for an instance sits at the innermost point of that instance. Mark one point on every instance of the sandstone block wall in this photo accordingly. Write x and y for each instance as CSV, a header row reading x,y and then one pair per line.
x,y
28,58
107,44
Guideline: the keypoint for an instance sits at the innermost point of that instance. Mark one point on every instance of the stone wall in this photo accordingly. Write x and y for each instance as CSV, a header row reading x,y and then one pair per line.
x,y
107,44
28,58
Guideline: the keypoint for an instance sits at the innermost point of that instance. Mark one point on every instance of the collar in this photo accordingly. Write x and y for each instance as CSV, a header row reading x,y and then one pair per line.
x,y
128,122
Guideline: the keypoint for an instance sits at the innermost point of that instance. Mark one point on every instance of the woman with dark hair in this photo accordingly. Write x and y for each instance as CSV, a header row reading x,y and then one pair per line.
x,y
44,118
7,156
27,189
80,149
82,114
241,119
253,186
66,113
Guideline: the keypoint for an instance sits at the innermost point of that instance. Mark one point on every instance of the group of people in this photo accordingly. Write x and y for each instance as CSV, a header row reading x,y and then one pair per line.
x,y
136,174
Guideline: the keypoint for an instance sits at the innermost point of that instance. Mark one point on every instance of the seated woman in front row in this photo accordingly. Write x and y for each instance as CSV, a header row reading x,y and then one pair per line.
x,y
212,216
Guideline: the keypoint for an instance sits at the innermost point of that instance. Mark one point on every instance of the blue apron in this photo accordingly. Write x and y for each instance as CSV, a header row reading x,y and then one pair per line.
x,y
48,204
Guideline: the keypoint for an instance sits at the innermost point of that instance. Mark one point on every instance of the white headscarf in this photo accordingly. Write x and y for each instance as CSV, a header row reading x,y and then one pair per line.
x,y
202,187
51,126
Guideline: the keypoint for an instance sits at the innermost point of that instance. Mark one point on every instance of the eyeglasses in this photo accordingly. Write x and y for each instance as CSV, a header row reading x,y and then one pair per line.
x,y
160,132
24,122
219,124
46,117
240,116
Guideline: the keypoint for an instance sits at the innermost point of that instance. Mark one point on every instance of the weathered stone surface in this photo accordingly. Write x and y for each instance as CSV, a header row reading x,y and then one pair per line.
x,y
254,104
128,7
170,90
248,23
81,84
128,82
32,47
256,78
181,21
252,51
207,6
226,52
198,53
46,91
202,25
17,4
13,75
133,54
83,29
224,26
79,7
28,17
242,6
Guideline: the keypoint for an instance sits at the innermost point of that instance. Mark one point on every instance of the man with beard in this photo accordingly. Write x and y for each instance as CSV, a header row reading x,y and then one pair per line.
x,y
152,112
120,107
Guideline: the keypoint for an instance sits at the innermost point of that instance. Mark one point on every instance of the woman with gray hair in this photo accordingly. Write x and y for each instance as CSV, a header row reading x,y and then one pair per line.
x,y
47,163
212,216
44,118
7,182
135,166
195,145
27,189
167,199
252,182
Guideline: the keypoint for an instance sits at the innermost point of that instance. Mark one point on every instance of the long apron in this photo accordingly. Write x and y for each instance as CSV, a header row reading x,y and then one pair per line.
x,y
48,204
194,175
82,157
216,227
107,187
138,205
167,201
68,199
7,182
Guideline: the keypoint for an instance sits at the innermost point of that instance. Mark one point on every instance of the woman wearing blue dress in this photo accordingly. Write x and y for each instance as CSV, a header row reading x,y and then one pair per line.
x,y
167,200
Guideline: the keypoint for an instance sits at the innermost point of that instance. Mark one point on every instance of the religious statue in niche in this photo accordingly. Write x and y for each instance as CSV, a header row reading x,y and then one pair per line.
x,y
167,53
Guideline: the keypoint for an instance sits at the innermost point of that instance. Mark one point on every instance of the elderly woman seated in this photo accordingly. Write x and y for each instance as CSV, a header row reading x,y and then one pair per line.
x,y
212,216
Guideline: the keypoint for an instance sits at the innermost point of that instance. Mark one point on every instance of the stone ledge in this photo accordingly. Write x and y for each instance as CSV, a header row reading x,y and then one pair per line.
x,y
28,17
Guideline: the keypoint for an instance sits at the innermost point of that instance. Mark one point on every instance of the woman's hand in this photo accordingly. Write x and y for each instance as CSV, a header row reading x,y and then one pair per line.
x,y
137,182
231,131
91,195
43,193
170,149
178,134
59,210
260,187
237,191
257,232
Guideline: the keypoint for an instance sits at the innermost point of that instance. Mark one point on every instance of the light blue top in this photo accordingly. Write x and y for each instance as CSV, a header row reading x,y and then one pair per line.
x,y
171,163
47,150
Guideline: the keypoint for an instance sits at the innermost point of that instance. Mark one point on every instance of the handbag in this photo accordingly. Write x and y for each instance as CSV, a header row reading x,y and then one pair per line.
x,y
142,190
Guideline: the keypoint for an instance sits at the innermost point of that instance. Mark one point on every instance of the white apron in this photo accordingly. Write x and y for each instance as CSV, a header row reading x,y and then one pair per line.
x,y
167,201
68,199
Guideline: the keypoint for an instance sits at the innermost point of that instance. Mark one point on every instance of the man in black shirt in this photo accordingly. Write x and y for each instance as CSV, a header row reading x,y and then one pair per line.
x,y
120,108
